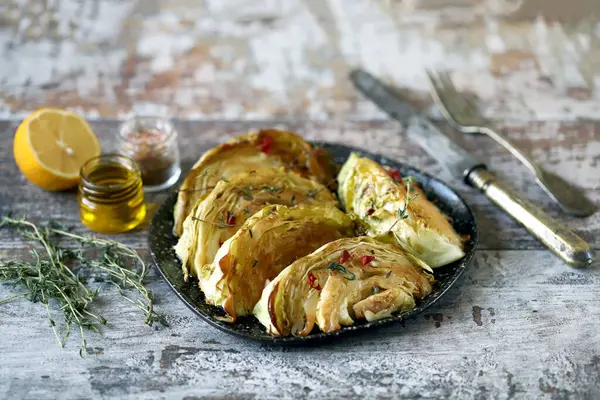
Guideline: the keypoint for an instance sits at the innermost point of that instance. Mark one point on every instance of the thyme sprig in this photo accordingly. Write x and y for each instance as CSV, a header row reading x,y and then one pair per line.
x,y
402,212
59,276
220,223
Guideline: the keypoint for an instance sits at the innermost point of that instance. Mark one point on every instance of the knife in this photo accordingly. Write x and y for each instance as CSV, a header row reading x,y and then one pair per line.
x,y
462,165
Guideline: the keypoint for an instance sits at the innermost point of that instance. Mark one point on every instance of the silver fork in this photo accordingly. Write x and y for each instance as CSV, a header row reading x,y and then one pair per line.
x,y
463,115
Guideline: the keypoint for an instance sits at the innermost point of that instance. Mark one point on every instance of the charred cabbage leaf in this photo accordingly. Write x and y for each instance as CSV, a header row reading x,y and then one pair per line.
x,y
341,282
263,149
397,209
267,243
218,216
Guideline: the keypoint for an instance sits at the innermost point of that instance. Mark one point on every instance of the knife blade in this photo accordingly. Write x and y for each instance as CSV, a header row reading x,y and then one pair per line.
x,y
458,161
462,165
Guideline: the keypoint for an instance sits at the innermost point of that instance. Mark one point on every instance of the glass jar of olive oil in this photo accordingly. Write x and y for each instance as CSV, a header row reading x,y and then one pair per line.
x,y
111,197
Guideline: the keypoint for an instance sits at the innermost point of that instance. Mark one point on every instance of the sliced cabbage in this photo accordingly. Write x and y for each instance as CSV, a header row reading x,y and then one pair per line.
x,y
267,242
367,190
343,281
263,149
218,216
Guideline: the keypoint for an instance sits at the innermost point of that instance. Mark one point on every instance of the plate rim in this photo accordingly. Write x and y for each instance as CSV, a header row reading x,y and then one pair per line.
x,y
346,330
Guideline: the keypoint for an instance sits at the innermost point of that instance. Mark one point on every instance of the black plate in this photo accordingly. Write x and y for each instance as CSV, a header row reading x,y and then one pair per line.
x,y
162,240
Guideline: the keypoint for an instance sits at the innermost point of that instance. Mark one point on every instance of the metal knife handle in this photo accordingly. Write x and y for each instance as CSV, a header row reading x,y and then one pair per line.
x,y
557,237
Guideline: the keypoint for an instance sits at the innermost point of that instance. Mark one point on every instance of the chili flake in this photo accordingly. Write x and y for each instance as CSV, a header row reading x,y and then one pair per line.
x,y
230,219
345,256
366,259
313,282
394,174
370,211
266,146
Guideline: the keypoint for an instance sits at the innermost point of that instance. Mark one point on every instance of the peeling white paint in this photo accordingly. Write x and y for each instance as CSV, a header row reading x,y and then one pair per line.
x,y
287,58
281,56
493,39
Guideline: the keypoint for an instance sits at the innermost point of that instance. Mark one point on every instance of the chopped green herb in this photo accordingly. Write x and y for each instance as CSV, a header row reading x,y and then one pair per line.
x,y
312,193
374,289
272,189
250,232
335,266
248,192
255,262
247,211
293,199
224,179
388,274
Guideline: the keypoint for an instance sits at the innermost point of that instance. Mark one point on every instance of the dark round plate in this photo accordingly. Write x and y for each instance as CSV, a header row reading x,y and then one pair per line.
x,y
162,240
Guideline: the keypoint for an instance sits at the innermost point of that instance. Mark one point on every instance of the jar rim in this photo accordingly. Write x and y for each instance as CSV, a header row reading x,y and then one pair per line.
x,y
110,158
140,122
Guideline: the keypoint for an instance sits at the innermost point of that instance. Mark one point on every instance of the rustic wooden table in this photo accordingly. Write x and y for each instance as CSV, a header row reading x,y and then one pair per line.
x,y
519,324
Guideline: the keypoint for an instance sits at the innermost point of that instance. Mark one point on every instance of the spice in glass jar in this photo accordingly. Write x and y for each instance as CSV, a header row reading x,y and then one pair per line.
x,y
111,197
152,143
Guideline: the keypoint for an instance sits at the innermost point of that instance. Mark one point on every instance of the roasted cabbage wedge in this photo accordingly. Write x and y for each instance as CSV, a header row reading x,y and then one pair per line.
x,y
343,281
218,216
379,201
268,242
263,149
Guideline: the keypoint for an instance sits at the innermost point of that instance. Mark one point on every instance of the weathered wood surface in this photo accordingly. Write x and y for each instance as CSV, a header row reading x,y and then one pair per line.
x,y
525,59
518,325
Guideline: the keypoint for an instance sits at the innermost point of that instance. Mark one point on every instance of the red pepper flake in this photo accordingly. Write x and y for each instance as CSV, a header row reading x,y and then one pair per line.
x,y
394,174
370,211
345,256
366,259
266,146
230,219
312,281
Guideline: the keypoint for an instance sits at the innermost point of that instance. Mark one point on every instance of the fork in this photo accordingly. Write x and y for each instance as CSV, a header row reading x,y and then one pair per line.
x,y
463,115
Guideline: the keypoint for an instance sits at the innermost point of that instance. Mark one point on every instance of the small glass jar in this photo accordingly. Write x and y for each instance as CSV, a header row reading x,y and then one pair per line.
x,y
152,143
111,196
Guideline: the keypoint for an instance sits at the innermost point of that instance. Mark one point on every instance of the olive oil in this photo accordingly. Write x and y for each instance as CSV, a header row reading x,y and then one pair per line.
x,y
111,196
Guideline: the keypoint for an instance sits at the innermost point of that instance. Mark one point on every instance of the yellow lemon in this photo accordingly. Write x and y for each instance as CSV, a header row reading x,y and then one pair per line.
x,y
51,145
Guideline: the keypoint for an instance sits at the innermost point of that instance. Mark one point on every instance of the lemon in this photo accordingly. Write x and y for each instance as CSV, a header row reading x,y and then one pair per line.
x,y
51,145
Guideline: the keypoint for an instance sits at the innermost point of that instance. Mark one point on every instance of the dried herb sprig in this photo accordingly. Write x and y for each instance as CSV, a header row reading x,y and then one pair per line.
x,y
60,275
220,223
402,212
